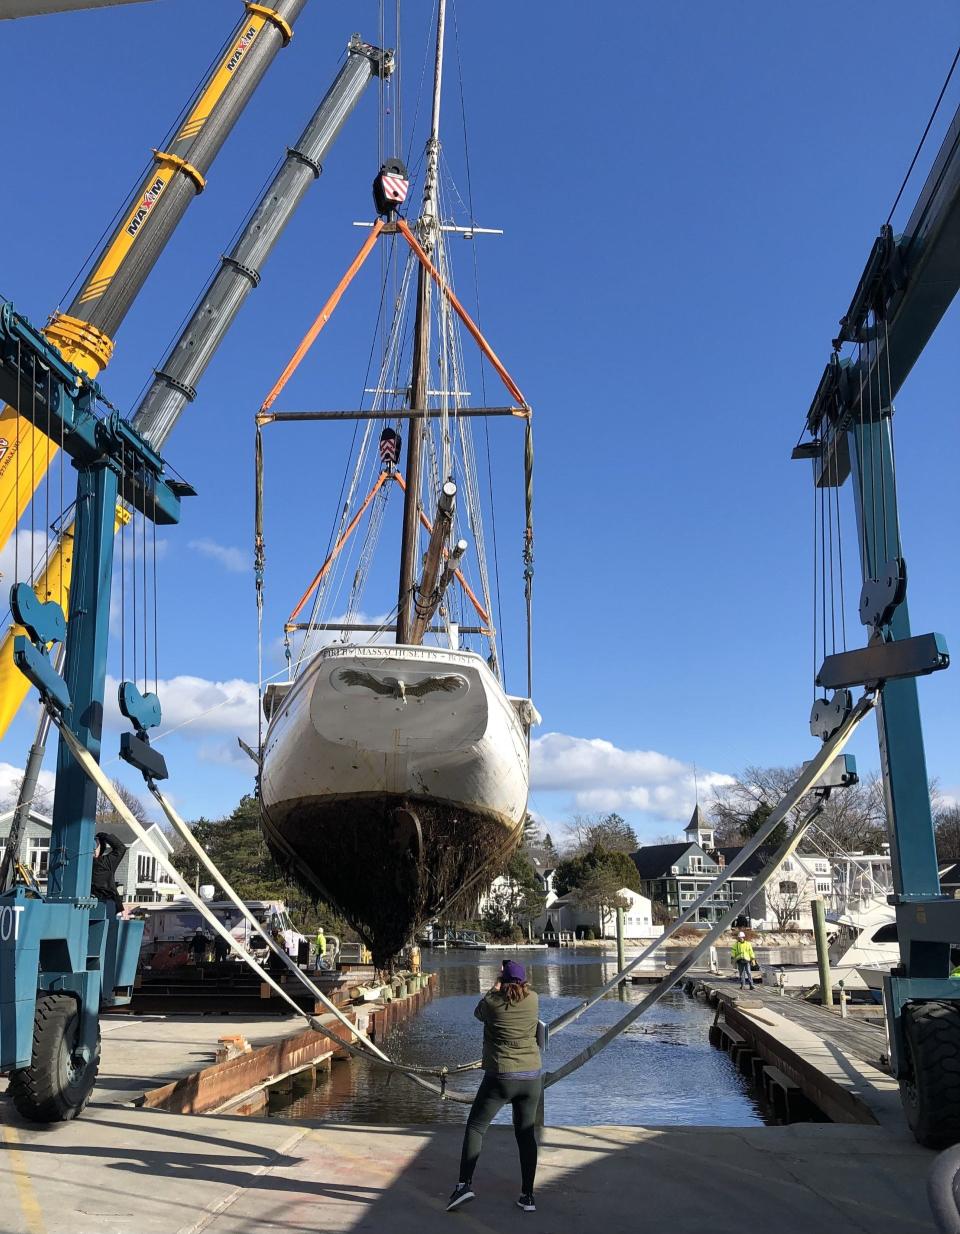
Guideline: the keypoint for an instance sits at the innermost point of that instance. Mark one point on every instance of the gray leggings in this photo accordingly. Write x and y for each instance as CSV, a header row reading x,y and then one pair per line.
x,y
494,1093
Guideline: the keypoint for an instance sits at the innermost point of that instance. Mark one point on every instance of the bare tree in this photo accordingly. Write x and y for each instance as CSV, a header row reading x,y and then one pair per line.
x,y
853,820
107,815
947,831
608,831
600,890
783,901
740,808
42,797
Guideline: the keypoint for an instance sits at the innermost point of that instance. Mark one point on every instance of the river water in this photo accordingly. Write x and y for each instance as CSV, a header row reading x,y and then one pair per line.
x,y
661,1070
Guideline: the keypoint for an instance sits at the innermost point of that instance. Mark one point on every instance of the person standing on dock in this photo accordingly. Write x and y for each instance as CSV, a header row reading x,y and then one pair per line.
x,y
743,956
198,946
512,1075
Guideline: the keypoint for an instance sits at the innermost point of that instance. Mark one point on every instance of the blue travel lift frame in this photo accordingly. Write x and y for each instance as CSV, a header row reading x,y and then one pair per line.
x,y
908,284
67,942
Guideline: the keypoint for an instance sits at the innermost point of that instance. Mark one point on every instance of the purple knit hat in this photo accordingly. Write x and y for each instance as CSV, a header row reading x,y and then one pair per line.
x,y
512,971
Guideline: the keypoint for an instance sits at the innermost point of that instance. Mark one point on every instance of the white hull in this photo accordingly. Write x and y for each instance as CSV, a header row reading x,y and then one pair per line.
x,y
392,759
873,944
334,735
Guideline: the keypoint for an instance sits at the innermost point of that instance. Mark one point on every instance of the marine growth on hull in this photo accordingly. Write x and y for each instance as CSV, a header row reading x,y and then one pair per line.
x,y
387,866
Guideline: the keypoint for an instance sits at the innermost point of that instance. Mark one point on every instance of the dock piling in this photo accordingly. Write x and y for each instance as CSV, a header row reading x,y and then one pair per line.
x,y
823,954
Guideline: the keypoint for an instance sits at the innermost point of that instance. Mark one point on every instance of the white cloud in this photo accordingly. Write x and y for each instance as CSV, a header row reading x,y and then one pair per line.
x,y
20,550
10,777
599,775
200,706
236,560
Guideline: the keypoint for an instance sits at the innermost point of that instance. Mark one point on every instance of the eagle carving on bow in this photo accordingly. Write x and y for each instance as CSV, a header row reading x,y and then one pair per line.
x,y
402,690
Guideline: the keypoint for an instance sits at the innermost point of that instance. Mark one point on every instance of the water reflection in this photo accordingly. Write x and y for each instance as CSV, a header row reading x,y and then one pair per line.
x,y
661,1070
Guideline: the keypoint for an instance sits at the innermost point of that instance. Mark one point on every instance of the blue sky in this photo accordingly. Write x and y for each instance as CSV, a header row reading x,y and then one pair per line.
x,y
688,194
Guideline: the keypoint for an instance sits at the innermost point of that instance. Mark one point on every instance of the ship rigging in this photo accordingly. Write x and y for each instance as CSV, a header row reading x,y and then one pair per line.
x,y
394,776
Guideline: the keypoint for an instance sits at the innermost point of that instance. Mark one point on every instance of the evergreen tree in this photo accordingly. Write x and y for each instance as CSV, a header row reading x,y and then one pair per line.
x,y
580,871
237,848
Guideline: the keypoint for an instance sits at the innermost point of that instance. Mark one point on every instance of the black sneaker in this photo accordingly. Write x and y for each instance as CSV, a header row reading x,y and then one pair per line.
x,y
461,1194
526,1202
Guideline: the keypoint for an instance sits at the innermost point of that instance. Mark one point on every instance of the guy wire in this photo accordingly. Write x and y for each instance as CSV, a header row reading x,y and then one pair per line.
x,y
46,482
861,444
893,452
813,473
33,466
146,621
843,603
823,570
123,565
156,623
16,474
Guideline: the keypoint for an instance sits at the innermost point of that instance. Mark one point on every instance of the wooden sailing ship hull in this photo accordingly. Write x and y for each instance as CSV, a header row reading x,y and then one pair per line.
x,y
393,779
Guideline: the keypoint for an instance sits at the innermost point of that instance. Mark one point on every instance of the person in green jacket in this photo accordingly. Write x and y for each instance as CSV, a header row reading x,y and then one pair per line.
x,y
743,956
512,1075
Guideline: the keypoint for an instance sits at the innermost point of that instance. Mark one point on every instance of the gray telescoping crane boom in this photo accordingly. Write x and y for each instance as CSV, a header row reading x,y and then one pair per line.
x,y
175,382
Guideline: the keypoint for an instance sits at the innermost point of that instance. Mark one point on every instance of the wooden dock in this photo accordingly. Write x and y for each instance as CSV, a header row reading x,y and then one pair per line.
x,y
867,1042
806,1053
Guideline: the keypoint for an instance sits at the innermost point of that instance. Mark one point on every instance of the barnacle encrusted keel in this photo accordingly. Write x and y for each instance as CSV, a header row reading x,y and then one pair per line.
x,y
387,864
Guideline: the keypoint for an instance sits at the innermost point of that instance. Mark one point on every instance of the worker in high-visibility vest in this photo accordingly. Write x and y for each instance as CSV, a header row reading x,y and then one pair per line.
x,y
743,956
321,944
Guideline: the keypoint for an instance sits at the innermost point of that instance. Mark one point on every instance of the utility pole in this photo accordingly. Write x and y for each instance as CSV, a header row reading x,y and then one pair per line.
x,y
427,234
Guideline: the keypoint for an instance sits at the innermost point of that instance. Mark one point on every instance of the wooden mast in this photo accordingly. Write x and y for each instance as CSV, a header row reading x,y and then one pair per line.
x,y
427,233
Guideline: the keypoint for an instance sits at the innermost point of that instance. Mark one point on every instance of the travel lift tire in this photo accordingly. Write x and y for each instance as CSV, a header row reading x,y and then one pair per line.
x,y
54,1087
930,1082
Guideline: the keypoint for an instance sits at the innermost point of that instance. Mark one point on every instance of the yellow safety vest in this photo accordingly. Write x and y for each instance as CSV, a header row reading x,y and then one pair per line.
x,y
742,951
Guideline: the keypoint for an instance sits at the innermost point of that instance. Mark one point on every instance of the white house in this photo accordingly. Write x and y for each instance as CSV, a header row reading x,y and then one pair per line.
x,y
138,878
566,915
785,900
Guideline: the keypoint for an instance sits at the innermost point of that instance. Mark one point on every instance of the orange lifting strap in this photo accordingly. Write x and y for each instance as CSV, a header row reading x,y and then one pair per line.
x,y
311,337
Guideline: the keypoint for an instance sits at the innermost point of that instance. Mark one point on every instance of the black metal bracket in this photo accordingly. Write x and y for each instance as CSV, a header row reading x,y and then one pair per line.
x,y
872,666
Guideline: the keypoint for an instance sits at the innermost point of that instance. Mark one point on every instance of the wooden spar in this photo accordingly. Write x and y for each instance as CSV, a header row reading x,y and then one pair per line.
x,y
411,505
284,417
448,575
426,598
335,551
468,590
409,546
324,316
